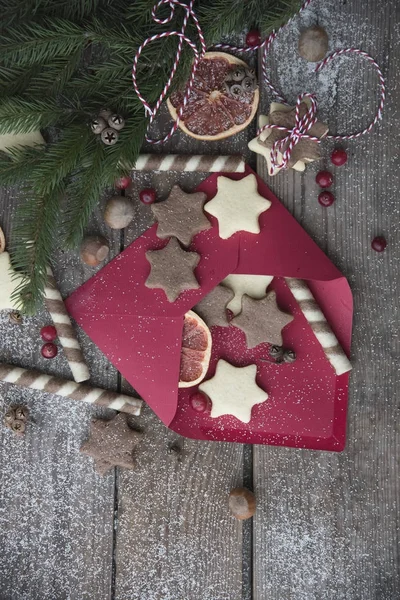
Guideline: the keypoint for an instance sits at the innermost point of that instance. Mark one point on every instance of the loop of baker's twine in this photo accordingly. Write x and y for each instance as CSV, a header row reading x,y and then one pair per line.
x,y
302,125
188,8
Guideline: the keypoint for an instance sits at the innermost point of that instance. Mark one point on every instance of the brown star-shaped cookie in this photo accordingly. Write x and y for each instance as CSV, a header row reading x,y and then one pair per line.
x,y
181,215
305,151
111,444
212,308
172,269
262,320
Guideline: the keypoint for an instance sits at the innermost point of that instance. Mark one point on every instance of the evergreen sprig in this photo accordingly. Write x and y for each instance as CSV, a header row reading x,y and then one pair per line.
x,y
62,61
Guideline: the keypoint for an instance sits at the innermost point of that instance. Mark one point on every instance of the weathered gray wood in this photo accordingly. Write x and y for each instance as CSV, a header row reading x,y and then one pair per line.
x,y
176,539
56,513
327,525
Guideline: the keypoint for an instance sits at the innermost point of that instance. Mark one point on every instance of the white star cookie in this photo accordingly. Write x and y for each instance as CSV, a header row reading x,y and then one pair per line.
x,y
233,391
237,205
8,283
254,286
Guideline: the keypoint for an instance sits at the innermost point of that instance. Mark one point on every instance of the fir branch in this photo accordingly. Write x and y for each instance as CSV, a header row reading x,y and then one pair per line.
x,y
13,81
33,242
16,165
20,115
52,79
60,159
84,192
34,43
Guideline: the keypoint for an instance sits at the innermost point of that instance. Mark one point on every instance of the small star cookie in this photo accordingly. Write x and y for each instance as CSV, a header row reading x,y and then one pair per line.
x,y
212,309
237,206
254,286
172,269
181,215
262,320
111,444
305,151
233,391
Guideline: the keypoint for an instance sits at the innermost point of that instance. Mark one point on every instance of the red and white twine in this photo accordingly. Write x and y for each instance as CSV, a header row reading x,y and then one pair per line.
x,y
282,147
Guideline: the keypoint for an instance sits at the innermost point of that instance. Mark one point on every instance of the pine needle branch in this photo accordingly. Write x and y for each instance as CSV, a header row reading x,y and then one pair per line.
x,y
20,115
34,43
33,242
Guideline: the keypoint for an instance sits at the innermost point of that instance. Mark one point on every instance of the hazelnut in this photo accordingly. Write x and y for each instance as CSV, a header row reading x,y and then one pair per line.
x,y
94,249
242,503
119,212
313,43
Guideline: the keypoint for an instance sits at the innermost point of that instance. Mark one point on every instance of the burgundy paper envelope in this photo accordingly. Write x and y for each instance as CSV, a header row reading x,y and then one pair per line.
x,y
140,331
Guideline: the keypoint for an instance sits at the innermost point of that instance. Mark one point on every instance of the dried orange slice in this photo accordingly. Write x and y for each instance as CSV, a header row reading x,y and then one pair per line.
x,y
195,352
223,100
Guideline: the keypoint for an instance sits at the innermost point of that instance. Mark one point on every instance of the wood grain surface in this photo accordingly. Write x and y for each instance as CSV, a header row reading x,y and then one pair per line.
x,y
327,524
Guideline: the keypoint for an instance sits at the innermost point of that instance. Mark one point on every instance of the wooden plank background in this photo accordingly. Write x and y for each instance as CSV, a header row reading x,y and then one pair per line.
x,y
327,524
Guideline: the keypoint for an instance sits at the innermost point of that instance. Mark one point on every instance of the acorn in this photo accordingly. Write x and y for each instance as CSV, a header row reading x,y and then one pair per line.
x,y
94,249
313,43
119,212
242,503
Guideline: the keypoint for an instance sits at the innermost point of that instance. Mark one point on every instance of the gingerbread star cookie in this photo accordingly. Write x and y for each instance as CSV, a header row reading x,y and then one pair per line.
x,y
254,286
172,269
212,308
111,444
237,205
305,151
233,391
181,215
262,320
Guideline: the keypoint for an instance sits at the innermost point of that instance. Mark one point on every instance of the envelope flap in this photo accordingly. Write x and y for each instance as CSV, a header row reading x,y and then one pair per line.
x,y
145,350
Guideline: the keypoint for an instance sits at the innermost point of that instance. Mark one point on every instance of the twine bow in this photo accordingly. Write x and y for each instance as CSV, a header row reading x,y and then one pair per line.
x,y
285,146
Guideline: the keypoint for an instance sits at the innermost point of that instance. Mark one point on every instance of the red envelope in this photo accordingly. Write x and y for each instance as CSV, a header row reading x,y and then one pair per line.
x,y
140,331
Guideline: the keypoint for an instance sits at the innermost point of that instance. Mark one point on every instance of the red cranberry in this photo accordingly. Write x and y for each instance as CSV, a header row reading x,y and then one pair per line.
x,y
199,402
339,157
253,38
324,179
378,244
48,333
122,183
326,198
49,350
148,196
